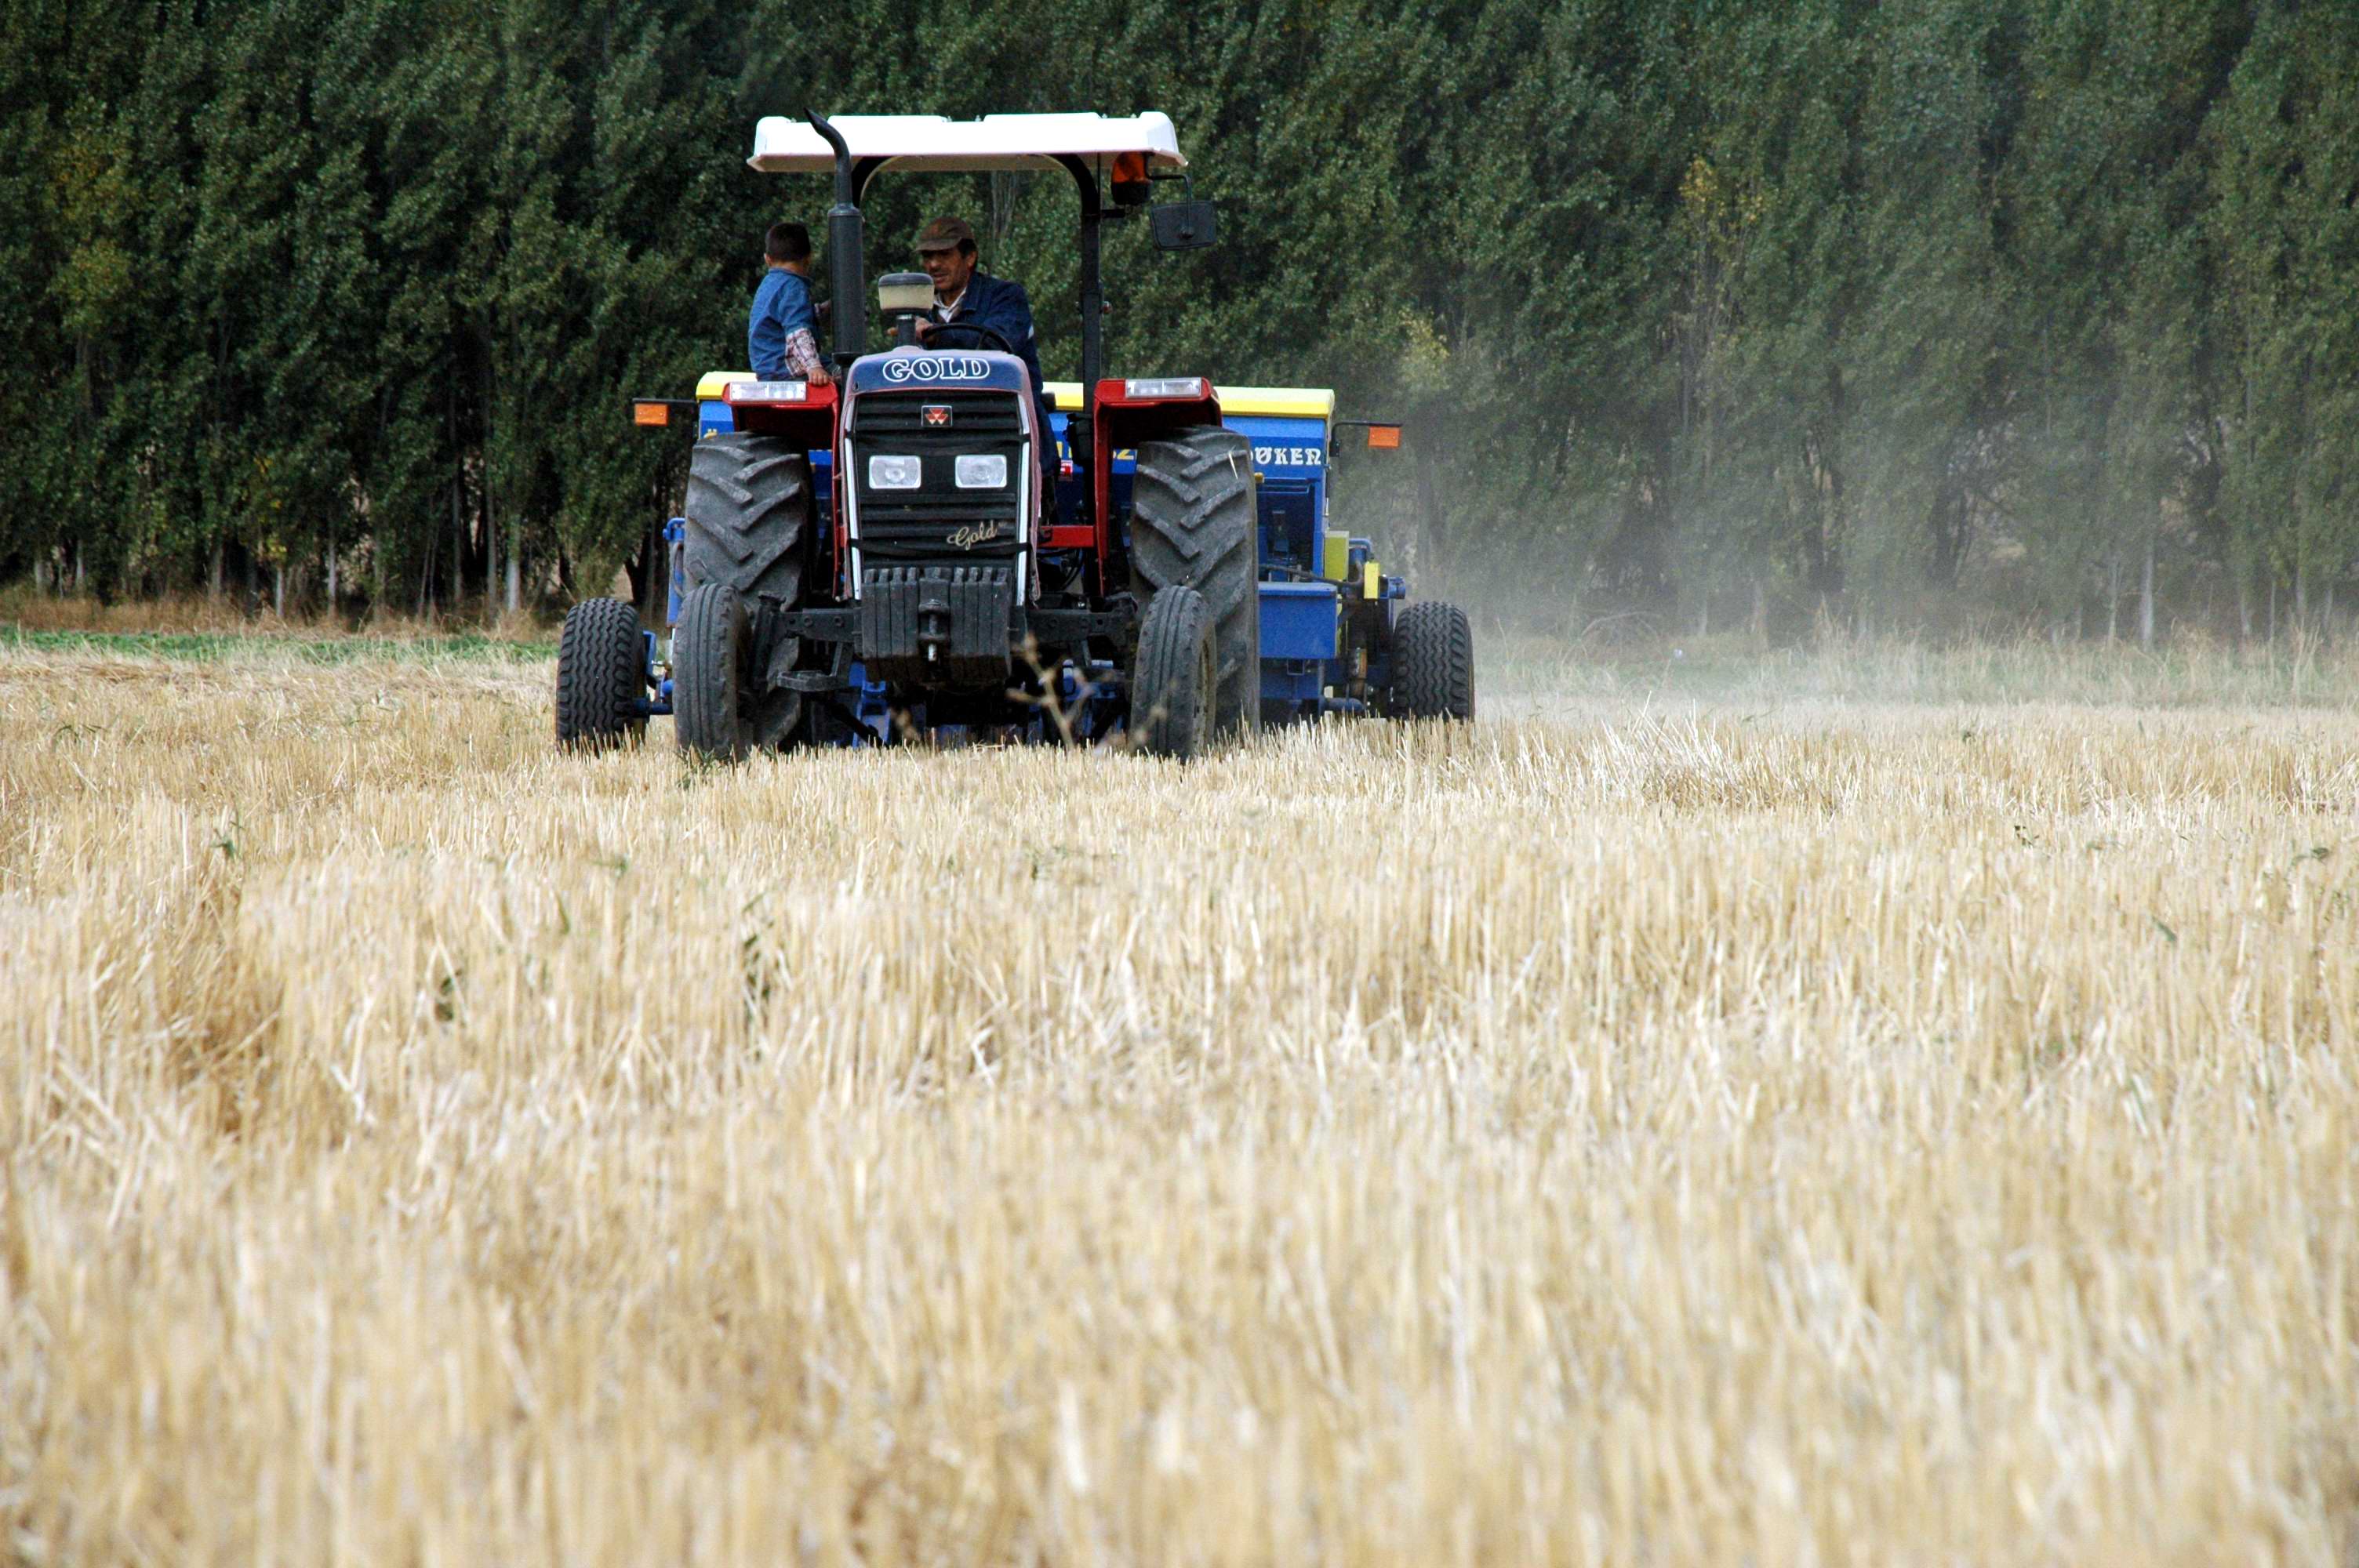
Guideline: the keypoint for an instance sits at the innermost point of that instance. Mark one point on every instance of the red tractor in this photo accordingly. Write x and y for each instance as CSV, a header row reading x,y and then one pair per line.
x,y
890,554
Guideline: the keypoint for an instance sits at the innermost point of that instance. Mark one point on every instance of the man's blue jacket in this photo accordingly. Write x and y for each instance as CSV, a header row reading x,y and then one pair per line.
x,y
1002,306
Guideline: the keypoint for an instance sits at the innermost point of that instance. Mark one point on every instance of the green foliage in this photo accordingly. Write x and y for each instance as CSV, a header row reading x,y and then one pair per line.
x,y
1902,310
214,647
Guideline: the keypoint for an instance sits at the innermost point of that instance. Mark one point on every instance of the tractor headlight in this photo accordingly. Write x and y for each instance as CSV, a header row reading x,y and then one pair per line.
x,y
980,472
894,473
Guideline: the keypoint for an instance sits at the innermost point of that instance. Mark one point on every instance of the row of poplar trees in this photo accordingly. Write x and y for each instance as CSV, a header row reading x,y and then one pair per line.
x,y
1703,312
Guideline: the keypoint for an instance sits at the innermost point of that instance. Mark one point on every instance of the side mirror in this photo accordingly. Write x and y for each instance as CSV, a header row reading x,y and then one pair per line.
x,y
1184,225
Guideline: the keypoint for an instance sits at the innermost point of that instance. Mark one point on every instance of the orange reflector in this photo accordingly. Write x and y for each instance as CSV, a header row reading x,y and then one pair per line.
x,y
650,413
1384,438
1130,185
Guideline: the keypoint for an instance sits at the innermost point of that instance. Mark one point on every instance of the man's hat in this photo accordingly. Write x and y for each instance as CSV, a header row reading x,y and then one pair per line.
x,y
945,234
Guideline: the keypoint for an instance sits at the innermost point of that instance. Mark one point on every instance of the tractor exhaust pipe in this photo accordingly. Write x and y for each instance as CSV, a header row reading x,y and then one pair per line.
x,y
846,238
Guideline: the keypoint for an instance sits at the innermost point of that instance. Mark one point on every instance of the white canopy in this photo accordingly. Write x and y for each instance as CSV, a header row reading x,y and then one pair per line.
x,y
782,146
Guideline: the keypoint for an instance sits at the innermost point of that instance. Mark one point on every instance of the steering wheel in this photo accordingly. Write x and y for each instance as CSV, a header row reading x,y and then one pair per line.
x,y
981,333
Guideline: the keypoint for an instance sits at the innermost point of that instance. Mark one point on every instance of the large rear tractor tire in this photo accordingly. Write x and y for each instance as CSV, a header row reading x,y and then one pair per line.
x,y
1191,526
711,672
749,511
1174,682
1433,663
602,680
747,541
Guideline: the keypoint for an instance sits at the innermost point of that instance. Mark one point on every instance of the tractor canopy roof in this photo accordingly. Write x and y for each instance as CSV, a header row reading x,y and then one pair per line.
x,y
782,146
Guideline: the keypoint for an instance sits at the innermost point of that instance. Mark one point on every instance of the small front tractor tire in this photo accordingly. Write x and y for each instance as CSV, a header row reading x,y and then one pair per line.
x,y
1176,675
712,666
1191,526
601,681
1433,663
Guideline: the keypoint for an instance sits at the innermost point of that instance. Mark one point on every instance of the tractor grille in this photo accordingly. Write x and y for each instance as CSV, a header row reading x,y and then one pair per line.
x,y
938,521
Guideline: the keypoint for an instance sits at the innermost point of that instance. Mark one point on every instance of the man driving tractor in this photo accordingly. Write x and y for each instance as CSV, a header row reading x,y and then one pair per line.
x,y
964,294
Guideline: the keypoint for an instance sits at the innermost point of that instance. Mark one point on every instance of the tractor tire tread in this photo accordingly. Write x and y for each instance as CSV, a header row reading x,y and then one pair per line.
x,y
1193,519
748,514
1167,698
705,659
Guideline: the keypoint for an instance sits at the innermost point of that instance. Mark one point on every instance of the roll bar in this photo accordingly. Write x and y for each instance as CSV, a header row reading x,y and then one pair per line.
x,y
846,236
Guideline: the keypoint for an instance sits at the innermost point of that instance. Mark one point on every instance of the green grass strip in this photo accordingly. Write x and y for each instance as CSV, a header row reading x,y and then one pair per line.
x,y
214,647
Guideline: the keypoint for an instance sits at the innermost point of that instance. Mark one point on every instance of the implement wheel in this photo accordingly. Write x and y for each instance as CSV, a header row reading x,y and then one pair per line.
x,y
1191,526
1433,663
1173,682
601,681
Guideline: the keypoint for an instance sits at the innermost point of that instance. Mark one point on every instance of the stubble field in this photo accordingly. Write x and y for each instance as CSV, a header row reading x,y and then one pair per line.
x,y
1854,1114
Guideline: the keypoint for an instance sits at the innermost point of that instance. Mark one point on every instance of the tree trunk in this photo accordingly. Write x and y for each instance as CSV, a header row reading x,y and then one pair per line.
x,y
639,568
1425,533
2113,599
278,589
458,561
213,574
433,549
332,574
2145,598
515,576
2243,608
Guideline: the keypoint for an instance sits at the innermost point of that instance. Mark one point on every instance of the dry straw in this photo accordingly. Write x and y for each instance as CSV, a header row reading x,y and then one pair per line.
x,y
1862,1134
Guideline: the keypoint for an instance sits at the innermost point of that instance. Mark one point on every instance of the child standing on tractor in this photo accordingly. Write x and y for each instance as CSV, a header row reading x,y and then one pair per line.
x,y
782,331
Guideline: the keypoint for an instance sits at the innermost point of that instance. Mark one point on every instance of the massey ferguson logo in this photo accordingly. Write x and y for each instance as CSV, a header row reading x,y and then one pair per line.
x,y
936,367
